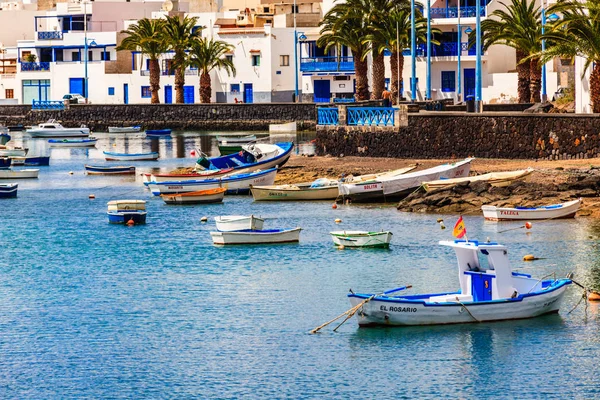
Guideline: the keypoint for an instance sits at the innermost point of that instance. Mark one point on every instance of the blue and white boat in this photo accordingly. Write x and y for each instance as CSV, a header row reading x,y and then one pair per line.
x,y
489,291
257,236
31,161
235,184
110,156
252,157
89,142
8,190
127,212
108,170
157,133
124,129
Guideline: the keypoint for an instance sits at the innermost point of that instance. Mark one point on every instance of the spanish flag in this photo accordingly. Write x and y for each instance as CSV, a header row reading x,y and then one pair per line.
x,y
459,229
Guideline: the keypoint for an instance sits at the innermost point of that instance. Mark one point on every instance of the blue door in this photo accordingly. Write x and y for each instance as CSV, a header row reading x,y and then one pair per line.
x,y
248,96
469,76
322,91
76,86
481,287
188,95
169,94
125,93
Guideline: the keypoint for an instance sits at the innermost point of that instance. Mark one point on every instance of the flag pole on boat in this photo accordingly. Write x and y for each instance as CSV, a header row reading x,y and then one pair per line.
x,y
460,230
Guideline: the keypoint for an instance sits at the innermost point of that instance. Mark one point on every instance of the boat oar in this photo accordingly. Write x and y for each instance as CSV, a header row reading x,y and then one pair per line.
x,y
397,289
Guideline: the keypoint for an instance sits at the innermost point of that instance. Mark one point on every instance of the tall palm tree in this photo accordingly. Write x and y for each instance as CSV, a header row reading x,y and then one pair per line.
x,y
344,25
147,37
179,35
207,55
518,26
578,34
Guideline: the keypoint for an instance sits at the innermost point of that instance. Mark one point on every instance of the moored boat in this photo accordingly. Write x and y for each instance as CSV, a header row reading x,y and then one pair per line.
x,y
233,144
489,291
90,142
124,211
8,190
124,129
158,132
53,128
321,189
19,173
31,161
257,236
13,152
251,158
554,211
361,238
110,156
195,176
497,179
200,197
108,170
231,223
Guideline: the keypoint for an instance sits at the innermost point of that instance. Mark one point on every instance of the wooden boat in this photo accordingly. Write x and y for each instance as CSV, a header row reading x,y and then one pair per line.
x,y
232,223
31,161
110,156
399,186
124,129
123,211
362,238
196,176
4,138
8,190
199,197
489,291
233,144
90,142
158,132
107,170
554,211
14,152
235,184
257,236
53,128
498,179
19,173
251,158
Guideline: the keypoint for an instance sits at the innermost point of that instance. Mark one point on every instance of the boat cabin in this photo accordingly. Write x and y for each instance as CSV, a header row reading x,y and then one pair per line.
x,y
126,205
485,274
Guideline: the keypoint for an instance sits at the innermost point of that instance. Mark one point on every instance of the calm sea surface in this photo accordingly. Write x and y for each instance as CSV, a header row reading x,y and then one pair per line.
x,y
92,310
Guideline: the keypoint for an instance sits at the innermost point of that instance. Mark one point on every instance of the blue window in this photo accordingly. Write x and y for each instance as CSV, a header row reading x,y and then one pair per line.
x,y
146,93
111,91
235,88
256,60
448,81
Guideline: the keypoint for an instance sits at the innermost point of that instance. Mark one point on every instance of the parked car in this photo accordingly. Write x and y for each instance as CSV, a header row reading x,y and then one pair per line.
x,y
74,98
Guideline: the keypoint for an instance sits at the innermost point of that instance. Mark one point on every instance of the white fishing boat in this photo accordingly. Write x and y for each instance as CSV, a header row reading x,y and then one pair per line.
x,y
396,187
231,223
124,129
554,211
489,291
497,179
194,176
362,238
13,152
257,236
19,173
110,156
199,197
53,128
252,157
126,212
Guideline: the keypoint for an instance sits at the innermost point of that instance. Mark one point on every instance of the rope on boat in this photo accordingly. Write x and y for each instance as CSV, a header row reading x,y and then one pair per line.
x,y
584,295
349,314
465,307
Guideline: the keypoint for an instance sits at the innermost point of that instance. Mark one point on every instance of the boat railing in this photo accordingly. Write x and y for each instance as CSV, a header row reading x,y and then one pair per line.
x,y
47,105
343,114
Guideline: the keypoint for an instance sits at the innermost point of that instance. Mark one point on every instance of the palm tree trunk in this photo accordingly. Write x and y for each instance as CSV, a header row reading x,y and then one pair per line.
x,y
179,82
397,66
362,80
523,78
378,75
205,88
535,84
595,87
154,80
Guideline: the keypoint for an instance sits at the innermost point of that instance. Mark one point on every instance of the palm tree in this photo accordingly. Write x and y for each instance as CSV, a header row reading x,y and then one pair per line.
x,y
179,35
207,55
147,37
518,26
344,25
578,34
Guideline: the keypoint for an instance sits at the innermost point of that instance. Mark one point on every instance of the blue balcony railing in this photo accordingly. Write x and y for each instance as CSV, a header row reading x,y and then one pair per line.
x,y
327,64
452,12
32,66
50,35
445,49
47,105
327,116
371,116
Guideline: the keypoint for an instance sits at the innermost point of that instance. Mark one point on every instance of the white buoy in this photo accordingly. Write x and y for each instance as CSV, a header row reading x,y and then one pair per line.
x,y
70,172
203,219
92,196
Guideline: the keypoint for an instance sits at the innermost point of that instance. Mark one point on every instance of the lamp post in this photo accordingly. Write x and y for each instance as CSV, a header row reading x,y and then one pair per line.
x,y
295,54
458,70
85,52
552,18
428,78
478,99
398,77
413,49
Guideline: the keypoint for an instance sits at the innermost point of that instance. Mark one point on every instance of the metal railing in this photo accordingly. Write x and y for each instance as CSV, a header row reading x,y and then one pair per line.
x,y
327,116
33,66
326,64
188,72
343,100
50,35
47,105
452,12
371,116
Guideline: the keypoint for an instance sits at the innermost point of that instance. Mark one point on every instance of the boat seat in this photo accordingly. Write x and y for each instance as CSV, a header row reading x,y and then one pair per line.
x,y
238,162
451,298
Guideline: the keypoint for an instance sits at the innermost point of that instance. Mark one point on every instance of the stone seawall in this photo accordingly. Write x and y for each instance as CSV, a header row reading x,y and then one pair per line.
x,y
221,117
445,135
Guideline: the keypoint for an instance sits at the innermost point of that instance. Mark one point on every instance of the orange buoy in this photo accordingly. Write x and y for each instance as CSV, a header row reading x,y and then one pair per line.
x,y
193,153
529,257
528,225
337,220
130,222
594,296
334,206
92,196
341,247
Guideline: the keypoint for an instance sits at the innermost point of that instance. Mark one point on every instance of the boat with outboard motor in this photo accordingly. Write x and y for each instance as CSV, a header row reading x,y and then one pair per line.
x,y
53,128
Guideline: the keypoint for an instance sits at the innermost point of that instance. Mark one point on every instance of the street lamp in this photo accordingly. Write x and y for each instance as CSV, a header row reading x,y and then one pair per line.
x,y
478,97
551,18
459,72
413,48
85,52
298,36
428,78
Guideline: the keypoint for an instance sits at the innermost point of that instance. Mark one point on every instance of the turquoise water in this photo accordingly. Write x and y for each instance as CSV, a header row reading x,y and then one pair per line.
x,y
89,309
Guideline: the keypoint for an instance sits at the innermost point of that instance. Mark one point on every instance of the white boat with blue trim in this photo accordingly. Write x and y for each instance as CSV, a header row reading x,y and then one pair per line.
x,y
232,223
489,291
110,156
362,238
554,211
124,129
257,236
53,128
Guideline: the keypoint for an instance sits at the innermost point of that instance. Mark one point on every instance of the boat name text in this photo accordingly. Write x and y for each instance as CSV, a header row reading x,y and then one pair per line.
x,y
397,309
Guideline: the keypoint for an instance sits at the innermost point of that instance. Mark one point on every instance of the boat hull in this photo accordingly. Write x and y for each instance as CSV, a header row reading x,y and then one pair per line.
x,y
200,197
566,210
19,174
13,152
124,129
72,143
123,217
232,223
293,193
361,239
99,170
59,133
158,133
256,237
8,190
108,156
188,177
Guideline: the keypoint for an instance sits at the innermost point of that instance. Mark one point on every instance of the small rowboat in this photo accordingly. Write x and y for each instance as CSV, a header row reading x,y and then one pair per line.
x,y
8,190
158,132
14,152
19,173
200,197
73,142
233,144
124,129
231,223
554,211
196,176
106,170
498,179
362,238
110,156
257,236
124,211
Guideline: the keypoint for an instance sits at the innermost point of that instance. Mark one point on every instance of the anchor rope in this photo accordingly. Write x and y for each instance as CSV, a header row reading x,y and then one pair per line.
x,y
469,311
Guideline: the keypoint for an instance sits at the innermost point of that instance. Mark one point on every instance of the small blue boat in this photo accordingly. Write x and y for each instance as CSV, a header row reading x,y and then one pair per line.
x,y
107,170
37,161
127,212
73,142
158,132
110,156
252,157
5,162
8,190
